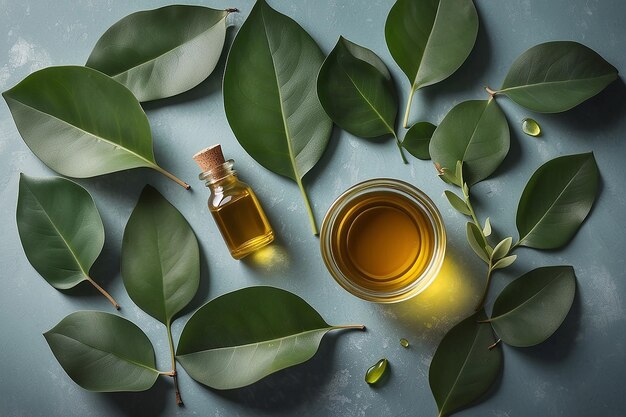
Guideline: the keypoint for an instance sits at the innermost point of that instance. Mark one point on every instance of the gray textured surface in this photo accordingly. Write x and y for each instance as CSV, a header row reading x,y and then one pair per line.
x,y
578,372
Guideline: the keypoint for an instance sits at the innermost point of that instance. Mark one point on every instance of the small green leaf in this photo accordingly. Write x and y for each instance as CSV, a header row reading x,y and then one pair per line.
x,y
270,95
502,249
504,262
357,92
477,241
556,200
162,52
60,230
430,39
160,257
487,228
103,352
81,123
225,347
417,139
531,308
458,204
555,76
463,367
475,133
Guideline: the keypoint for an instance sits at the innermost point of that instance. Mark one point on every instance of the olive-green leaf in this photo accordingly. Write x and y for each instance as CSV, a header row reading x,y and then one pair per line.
x,y
82,123
502,249
162,52
504,262
555,76
357,92
160,257
243,336
430,39
60,230
475,132
487,228
270,95
531,308
458,204
103,352
556,200
477,241
463,367
417,139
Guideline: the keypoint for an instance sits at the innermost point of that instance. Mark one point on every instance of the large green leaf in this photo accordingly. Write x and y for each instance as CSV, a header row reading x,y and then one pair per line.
x,y
417,139
103,352
430,39
556,76
475,132
243,336
464,367
60,229
270,95
82,123
556,200
162,52
357,92
531,308
160,257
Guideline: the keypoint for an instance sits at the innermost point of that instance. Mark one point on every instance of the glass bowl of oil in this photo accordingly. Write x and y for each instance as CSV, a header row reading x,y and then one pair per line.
x,y
383,240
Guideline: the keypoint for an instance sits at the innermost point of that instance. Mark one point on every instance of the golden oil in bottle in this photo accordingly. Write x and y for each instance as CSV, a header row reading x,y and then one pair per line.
x,y
383,240
234,206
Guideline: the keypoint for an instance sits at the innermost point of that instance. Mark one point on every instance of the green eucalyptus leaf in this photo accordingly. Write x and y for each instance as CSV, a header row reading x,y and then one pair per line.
x,y
417,139
458,204
270,95
60,229
463,367
487,228
531,308
556,200
82,123
475,132
555,76
502,249
430,39
103,352
357,92
477,241
225,347
504,262
160,257
162,52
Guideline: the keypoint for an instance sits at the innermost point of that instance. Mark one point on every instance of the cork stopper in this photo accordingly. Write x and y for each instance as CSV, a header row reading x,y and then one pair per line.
x,y
210,158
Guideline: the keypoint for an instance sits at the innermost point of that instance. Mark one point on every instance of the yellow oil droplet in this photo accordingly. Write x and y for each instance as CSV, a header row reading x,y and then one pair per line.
x,y
531,127
376,371
404,343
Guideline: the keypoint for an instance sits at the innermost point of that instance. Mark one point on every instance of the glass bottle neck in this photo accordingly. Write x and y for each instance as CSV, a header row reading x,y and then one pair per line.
x,y
220,176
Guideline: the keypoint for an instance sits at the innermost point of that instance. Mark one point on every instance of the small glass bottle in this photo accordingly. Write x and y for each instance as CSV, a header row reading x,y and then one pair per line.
x,y
236,210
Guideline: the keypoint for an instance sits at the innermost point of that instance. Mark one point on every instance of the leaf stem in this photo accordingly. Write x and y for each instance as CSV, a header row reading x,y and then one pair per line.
x,y
307,204
497,342
172,177
350,326
173,374
471,208
481,303
400,148
407,112
104,292
490,91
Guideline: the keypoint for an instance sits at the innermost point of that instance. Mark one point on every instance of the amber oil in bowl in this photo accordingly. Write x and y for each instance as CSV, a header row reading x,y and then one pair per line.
x,y
383,240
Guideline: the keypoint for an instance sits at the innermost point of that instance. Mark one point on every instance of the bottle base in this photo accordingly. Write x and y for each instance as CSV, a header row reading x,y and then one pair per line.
x,y
252,245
